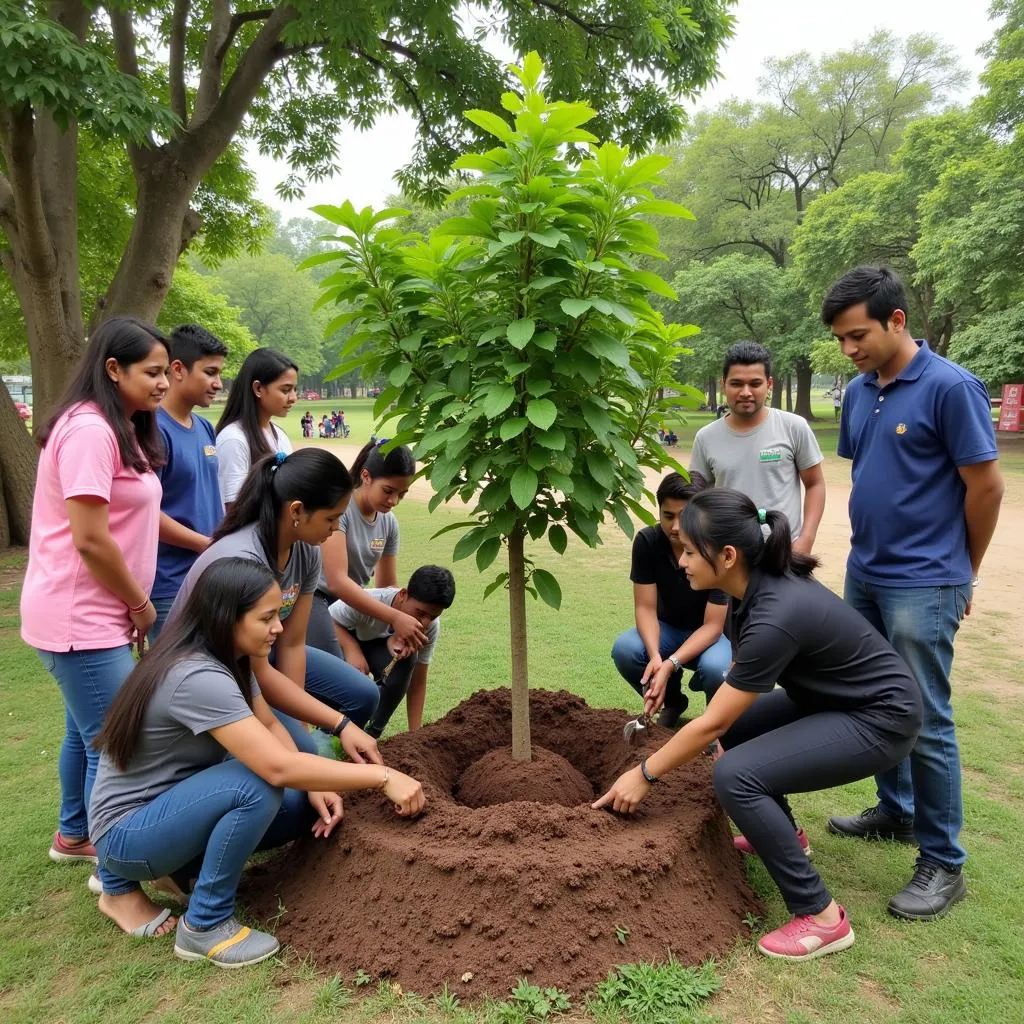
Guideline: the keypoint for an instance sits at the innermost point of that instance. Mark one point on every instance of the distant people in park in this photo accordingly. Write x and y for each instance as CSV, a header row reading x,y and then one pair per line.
x,y
676,627
369,644
836,394
924,505
93,546
770,455
671,439
342,425
266,386
814,698
366,545
326,429
307,424
289,506
191,508
197,774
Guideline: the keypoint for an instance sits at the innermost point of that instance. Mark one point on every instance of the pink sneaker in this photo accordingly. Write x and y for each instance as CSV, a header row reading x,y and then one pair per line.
x,y
743,844
62,851
804,939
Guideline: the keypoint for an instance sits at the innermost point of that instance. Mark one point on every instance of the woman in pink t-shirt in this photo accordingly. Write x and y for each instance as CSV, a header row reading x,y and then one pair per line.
x,y
92,552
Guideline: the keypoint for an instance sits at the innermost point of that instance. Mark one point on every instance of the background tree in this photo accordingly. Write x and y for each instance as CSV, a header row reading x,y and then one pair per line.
x,y
523,359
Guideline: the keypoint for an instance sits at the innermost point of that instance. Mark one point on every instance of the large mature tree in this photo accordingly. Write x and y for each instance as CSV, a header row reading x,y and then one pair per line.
x,y
749,171
178,83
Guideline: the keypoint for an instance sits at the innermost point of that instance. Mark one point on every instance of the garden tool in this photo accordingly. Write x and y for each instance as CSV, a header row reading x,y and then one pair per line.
x,y
387,671
635,727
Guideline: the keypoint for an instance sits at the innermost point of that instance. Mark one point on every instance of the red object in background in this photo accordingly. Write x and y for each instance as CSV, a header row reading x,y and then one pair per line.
x,y
1011,412
312,396
23,410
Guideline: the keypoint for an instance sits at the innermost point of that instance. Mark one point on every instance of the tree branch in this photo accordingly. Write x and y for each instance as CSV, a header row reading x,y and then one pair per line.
x,y
176,61
594,28
392,47
237,21
128,63
212,62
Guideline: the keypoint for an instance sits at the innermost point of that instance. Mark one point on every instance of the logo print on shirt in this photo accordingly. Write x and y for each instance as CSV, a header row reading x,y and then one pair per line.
x,y
288,598
209,450
901,428
377,545
769,455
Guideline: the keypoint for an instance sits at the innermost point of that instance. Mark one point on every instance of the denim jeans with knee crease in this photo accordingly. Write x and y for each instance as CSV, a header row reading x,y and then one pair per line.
x,y
206,826
921,623
88,682
709,668
337,684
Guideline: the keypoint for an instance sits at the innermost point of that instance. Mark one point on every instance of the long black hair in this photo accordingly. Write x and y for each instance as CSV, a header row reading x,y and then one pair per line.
x,y
720,516
128,341
397,462
311,475
263,366
205,625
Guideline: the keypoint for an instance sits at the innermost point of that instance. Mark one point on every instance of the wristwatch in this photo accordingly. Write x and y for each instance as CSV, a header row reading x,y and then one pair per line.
x,y
677,663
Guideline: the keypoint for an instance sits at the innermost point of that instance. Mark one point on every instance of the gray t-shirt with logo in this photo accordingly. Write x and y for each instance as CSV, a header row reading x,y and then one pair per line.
x,y
299,576
174,742
367,543
764,463
366,627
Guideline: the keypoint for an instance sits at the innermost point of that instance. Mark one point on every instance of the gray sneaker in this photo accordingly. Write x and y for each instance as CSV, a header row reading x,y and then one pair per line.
x,y
227,945
873,823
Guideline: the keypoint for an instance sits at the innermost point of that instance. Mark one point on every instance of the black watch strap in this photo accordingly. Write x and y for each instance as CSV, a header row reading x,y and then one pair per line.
x,y
339,728
648,777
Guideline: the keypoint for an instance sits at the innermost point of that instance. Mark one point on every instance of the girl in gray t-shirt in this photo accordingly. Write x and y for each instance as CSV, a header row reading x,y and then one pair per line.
x,y
287,507
367,546
171,804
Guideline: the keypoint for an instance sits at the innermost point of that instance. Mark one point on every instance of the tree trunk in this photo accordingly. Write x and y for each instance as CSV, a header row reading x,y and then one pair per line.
x,y
803,389
711,386
17,474
789,392
777,398
517,621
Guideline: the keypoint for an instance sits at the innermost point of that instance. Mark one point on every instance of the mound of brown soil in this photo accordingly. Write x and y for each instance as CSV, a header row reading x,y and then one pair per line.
x,y
497,778
494,893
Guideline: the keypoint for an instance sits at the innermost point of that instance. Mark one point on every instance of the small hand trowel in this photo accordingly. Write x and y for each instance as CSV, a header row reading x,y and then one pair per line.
x,y
634,729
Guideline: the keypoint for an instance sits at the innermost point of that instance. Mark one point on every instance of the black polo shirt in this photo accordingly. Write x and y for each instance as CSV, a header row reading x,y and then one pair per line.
x,y
823,653
679,604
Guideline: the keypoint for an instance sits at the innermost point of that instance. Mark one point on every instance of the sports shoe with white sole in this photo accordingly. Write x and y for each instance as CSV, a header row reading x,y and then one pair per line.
x,y
227,945
804,939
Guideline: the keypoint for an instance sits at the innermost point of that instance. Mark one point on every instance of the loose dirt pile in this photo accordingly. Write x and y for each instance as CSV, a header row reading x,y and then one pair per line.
x,y
495,892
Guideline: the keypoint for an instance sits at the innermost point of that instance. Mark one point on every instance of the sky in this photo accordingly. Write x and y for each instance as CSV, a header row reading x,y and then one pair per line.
x,y
764,28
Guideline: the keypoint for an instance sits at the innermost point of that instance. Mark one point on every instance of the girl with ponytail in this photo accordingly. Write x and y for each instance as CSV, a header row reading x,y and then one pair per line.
x,y
846,705
170,804
288,506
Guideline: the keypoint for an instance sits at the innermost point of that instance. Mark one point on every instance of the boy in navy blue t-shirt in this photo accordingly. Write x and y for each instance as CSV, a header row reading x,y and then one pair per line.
x,y
191,507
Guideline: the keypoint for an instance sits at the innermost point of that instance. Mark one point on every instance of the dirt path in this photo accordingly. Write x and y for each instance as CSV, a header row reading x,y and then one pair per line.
x,y
990,637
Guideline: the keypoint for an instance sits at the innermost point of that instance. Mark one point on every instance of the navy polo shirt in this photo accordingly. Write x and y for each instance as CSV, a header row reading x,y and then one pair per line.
x,y
191,494
907,441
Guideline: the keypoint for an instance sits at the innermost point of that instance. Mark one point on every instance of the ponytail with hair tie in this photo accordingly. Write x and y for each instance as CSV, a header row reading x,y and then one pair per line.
x,y
762,518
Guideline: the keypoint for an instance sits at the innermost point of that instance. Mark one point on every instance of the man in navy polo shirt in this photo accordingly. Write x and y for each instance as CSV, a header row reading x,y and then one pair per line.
x,y
923,508
191,508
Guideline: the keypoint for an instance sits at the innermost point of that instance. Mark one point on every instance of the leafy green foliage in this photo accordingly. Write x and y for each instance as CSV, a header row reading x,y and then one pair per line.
x,y
523,359
647,993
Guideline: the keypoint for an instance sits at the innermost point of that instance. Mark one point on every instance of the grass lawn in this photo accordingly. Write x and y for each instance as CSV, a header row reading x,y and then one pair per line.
x,y
61,961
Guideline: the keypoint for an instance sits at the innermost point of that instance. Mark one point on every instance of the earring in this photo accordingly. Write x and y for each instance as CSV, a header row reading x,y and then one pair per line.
x,y
295,524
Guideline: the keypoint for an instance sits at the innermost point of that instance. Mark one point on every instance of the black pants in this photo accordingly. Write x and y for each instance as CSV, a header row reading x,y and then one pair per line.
x,y
320,634
778,747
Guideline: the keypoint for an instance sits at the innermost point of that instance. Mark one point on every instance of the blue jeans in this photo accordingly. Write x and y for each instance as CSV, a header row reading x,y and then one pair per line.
x,y
709,668
88,681
206,826
920,623
338,685
163,609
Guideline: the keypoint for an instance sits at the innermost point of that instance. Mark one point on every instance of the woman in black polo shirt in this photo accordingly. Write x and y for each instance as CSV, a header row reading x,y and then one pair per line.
x,y
846,707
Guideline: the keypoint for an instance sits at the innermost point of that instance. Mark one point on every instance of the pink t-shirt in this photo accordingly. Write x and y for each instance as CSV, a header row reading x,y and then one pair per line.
x,y
63,606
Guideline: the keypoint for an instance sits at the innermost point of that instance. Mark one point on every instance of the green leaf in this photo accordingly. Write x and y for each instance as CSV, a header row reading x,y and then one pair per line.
x,y
524,486
455,526
662,208
622,518
553,439
520,332
458,379
606,347
499,580
548,588
545,340
558,538
400,374
538,387
491,123
549,239
469,542
541,412
487,552
597,419
575,307
512,427
498,399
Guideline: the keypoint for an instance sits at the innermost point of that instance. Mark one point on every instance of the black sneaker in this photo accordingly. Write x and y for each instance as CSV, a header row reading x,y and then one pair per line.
x,y
929,894
668,717
873,823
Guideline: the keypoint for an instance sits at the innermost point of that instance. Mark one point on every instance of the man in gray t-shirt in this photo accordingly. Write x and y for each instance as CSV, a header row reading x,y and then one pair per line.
x,y
299,576
765,453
